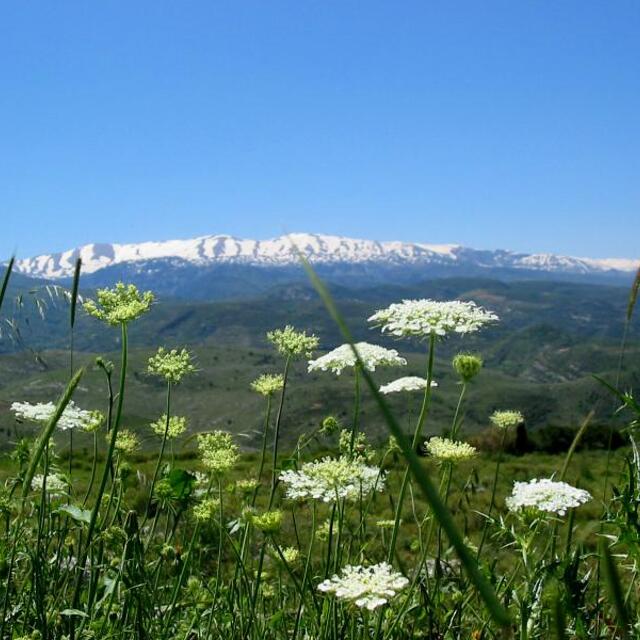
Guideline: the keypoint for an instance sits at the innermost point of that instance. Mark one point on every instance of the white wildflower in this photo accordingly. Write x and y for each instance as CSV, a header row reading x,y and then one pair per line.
x,y
342,357
366,587
506,419
73,417
546,495
408,383
446,450
55,485
423,318
330,479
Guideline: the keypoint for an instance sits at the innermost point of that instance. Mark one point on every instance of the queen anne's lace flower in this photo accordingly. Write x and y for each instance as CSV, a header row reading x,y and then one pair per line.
x,y
206,509
408,383
73,417
55,486
366,587
293,344
506,419
126,441
372,356
330,479
177,426
119,305
467,366
546,495
171,365
219,452
423,318
267,384
446,450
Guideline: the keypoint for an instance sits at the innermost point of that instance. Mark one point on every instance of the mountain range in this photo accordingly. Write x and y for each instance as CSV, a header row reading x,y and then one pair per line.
x,y
221,266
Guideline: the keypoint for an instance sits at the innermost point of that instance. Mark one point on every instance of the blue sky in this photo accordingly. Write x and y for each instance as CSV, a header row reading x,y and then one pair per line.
x,y
491,124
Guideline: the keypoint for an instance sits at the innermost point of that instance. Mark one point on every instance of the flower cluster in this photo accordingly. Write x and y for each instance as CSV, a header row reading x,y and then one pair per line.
x,y
424,318
206,509
267,522
506,419
176,427
546,495
371,355
446,450
55,485
366,587
72,417
331,479
467,366
219,452
126,441
122,304
406,384
361,448
293,344
171,365
268,384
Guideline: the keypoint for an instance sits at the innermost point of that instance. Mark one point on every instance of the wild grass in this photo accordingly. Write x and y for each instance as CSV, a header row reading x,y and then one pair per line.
x,y
205,540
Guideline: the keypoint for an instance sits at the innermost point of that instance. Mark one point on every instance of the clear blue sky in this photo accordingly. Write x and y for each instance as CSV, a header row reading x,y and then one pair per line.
x,y
491,124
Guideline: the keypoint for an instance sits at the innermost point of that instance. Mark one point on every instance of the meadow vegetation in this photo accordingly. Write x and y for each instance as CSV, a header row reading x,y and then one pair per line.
x,y
325,535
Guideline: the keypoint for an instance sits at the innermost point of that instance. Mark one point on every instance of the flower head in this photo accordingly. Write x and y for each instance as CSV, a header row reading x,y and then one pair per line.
x,y
267,522
55,485
506,419
73,417
247,486
372,356
219,452
293,344
366,587
424,318
291,555
361,448
406,384
171,365
126,441
467,366
546,495
206,509
446,450
176,427
119,305
268,384
330,479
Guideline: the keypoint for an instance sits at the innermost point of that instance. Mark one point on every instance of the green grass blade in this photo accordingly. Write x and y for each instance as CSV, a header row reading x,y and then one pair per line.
x,y
5,279
45,436
574,444
614,587
440,511
74,291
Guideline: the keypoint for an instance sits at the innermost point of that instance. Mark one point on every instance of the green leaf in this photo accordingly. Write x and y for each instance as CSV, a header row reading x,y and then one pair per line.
x,y
181,482
81,515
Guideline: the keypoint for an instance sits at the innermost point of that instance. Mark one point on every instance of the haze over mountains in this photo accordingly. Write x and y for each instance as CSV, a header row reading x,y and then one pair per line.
x,y
221,266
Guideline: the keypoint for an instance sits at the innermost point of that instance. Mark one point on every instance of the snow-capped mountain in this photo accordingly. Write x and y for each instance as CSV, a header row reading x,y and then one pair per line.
x,y
323,250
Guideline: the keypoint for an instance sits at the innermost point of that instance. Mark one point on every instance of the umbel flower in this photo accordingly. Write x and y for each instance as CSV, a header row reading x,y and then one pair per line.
x,y
467,366
267,522
206,509
406,384
424,318
506,419
177,426
342,357
171,365
218,451
366,587
446,450
55,485
126,441
546,495
331,479
293,344
73,417
119,305
267,384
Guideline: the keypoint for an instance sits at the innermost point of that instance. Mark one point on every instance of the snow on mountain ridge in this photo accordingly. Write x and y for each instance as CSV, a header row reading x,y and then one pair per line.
x,y
322,249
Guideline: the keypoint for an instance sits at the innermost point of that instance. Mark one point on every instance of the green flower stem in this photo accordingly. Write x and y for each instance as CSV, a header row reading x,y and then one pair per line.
x,y
274,472
305,575
426,403
496,475
107,467
356,408
160,457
